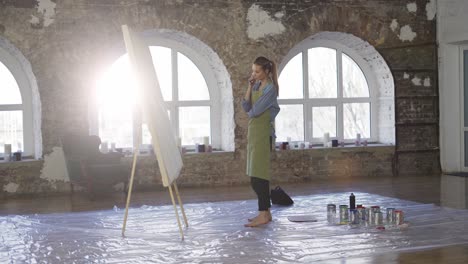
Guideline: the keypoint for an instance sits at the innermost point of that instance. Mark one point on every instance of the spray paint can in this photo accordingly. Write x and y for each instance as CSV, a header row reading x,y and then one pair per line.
x,y
331,213
344,218
352,201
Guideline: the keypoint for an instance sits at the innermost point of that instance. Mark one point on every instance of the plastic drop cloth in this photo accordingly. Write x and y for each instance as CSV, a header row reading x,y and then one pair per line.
x,y
216,233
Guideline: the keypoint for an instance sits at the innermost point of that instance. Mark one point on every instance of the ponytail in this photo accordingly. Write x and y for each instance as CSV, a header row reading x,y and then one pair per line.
x,y
269,65
274,76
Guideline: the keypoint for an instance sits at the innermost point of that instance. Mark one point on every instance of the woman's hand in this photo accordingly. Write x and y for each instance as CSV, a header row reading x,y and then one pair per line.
x,y
248,93
252,80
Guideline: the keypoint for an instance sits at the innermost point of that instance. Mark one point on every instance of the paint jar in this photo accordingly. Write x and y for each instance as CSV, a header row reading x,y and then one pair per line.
x,y
17,156
361,213
206,141
344,217
104,147
7,152
390,215
377,218
368,216
284,145
399,219
334,143
353,217
201,148
331,213
326,139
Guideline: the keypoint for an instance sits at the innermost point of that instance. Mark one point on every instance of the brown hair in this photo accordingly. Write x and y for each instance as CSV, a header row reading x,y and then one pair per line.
x,y
270,66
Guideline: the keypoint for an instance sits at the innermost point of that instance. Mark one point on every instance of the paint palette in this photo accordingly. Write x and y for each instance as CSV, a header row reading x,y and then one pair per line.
x,y
302,218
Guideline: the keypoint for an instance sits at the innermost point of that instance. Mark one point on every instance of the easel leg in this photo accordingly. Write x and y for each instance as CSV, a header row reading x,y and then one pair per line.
x,y
176,212
180,204
130,187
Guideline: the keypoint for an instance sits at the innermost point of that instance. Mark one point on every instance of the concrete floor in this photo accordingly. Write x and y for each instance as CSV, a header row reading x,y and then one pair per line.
x,y
421,190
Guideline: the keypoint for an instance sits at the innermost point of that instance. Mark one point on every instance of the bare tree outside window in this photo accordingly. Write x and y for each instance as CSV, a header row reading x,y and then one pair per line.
x,y
324,98
11,120
291,79
322,73
324,121
290,123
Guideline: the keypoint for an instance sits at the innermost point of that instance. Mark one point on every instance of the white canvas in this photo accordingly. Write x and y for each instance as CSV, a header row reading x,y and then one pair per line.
x,y
153,107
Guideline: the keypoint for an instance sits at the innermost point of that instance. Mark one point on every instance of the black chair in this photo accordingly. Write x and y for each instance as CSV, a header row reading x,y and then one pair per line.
x,y
89,168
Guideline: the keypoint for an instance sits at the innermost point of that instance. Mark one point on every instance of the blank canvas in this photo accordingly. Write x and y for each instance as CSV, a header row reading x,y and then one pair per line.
x,y
153,107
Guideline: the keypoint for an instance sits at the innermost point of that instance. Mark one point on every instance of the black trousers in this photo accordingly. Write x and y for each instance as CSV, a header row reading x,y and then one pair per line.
x,y
262,189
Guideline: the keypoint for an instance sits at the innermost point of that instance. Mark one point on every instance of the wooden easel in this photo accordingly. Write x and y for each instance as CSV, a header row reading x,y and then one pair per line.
x,y
129,194
164,144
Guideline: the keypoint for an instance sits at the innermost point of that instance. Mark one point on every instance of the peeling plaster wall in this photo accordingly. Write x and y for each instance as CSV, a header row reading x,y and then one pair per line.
x,y
69,42
261,24
54,166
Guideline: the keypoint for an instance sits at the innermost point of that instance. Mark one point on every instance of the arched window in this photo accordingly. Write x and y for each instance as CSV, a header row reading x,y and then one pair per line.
x,y
185,89
11,111
324,88
19,104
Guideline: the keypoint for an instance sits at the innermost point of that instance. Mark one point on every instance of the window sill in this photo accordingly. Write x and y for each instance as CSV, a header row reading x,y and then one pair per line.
x,y
19,163
187,154
346,147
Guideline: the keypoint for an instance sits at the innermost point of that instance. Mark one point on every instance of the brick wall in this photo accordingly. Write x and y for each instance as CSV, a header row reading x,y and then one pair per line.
x,y
66,45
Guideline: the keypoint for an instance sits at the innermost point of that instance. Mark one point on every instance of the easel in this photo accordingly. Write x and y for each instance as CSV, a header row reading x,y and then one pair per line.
x,y
129,195
153,105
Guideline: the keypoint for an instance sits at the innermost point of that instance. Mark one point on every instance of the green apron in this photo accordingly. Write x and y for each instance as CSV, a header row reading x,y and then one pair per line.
x,y
258,143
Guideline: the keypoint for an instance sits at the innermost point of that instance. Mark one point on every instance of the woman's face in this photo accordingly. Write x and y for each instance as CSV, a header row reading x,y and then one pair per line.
x,y
258,73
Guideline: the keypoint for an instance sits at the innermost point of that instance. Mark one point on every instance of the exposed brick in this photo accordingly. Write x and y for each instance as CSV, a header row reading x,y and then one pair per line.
x,y
66,56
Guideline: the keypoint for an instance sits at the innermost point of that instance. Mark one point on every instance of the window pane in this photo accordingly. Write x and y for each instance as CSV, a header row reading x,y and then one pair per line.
x,y
466,148
192,85
194,124
354,81
324,121
11,130
162,61
322,73
117,87
290,123
115,126
465,85
356,120
9,90
290,80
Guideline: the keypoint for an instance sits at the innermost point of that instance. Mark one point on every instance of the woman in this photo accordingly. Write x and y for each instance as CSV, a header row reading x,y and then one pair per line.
x,y
261,105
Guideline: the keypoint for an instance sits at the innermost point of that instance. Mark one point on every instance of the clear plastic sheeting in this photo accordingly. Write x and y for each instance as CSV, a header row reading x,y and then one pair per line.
x,y
217,234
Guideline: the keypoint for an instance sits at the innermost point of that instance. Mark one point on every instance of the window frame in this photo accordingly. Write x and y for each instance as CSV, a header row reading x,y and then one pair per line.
x,y
173,105
25,88
461,50
309,103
